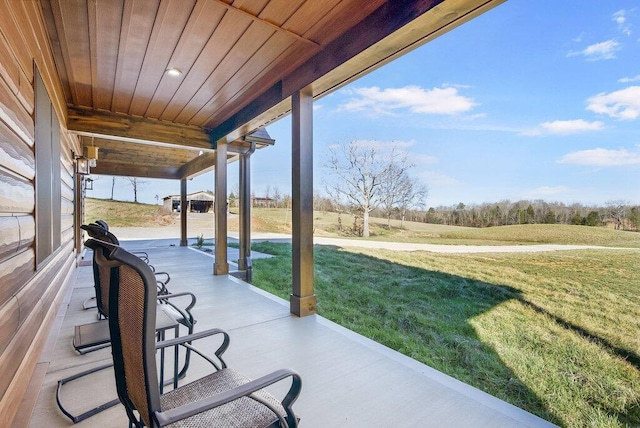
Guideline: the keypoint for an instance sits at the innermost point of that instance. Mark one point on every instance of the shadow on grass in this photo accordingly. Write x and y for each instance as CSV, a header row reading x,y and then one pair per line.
x,y
630,356
422,313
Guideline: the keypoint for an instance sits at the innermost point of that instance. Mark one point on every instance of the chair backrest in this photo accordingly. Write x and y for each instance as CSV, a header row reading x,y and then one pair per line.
x,y
132,320
101,275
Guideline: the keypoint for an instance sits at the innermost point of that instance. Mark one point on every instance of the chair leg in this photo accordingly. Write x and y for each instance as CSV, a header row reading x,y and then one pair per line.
x,y
82,416
88,304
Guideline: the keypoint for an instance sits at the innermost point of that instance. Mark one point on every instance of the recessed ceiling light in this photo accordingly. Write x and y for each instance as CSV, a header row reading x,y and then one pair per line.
x,y
174,72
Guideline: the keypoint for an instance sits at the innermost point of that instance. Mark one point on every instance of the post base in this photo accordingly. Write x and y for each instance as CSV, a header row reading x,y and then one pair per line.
x,y
302,306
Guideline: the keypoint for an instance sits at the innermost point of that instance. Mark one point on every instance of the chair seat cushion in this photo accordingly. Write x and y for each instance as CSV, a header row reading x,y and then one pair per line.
x,y
241,413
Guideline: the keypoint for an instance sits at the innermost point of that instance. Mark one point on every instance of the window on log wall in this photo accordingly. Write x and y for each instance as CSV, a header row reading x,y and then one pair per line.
x,y
47,181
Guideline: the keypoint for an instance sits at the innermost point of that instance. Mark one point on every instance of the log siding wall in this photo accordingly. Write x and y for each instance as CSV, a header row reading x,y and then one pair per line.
x,y
29,296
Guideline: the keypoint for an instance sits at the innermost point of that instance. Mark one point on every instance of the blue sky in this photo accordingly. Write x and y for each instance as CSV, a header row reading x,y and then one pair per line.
x,y
532,100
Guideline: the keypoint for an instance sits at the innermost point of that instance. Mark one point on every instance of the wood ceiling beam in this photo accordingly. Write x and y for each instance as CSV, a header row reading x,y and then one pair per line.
x,y
203,163
134,170
115,126
392,30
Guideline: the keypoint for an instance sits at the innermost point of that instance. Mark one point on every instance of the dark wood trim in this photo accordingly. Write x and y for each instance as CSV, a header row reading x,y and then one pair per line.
x,y
203,163
103,124
131,170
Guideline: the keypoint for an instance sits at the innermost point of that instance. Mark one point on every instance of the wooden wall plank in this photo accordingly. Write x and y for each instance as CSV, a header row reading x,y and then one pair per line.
x,y
66,178
14,115
14,36
68,234
48,279
9,321
66,221
9,237
26,94
15,272
27,231
44,58
10,402
28,298
16,194
67,206
66,191
16,234
9,67
46,286
15,155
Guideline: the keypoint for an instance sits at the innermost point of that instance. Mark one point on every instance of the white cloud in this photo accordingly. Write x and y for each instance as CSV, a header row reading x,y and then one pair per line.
x,y
544,192
564,127
623,104
602,157
629,79
620,18
415,99
599,51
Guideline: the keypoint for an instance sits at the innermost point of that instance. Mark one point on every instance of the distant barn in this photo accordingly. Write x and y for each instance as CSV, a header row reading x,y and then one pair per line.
x,y
197,202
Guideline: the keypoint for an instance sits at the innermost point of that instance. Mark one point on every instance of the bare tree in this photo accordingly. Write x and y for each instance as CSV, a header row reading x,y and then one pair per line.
x,y
359,170
400,192
277,197
412,195
136,184
617,210
113,184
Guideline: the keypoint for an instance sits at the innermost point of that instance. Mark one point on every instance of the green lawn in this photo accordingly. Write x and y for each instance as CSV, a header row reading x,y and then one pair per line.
x,y
557,334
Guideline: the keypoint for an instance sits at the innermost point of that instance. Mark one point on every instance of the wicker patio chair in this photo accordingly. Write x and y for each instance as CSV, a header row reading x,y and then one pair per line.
x,y
102,228
224,398
96,335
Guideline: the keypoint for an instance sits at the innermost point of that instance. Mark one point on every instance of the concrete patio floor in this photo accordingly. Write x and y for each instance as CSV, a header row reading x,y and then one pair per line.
x,y
348,380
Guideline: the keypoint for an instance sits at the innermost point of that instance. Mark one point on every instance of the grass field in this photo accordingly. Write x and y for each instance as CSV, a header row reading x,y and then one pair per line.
x,y
557,334
125,214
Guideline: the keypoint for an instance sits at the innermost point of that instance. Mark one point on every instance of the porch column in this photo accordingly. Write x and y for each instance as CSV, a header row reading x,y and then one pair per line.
x,y
303,299
244,260
221,265
183,212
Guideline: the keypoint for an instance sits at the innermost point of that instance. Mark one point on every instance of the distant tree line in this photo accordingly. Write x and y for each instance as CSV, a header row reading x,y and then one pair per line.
x,y
622,215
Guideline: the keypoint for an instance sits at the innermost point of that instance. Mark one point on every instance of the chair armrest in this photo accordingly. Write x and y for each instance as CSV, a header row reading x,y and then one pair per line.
x,y
166,297
185,312
191,409
141,255
186,342
165,274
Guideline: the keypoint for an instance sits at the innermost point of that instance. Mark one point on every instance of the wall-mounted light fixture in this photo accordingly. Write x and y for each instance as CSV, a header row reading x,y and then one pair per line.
x,y
82,165
88,184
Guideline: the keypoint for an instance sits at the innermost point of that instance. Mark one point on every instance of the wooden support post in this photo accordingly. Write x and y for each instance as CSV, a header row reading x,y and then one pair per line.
x,y
303,299
221,265
183,213
244,260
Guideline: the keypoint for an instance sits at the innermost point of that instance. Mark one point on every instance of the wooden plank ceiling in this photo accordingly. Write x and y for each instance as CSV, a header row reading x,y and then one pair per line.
x,y
239,61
